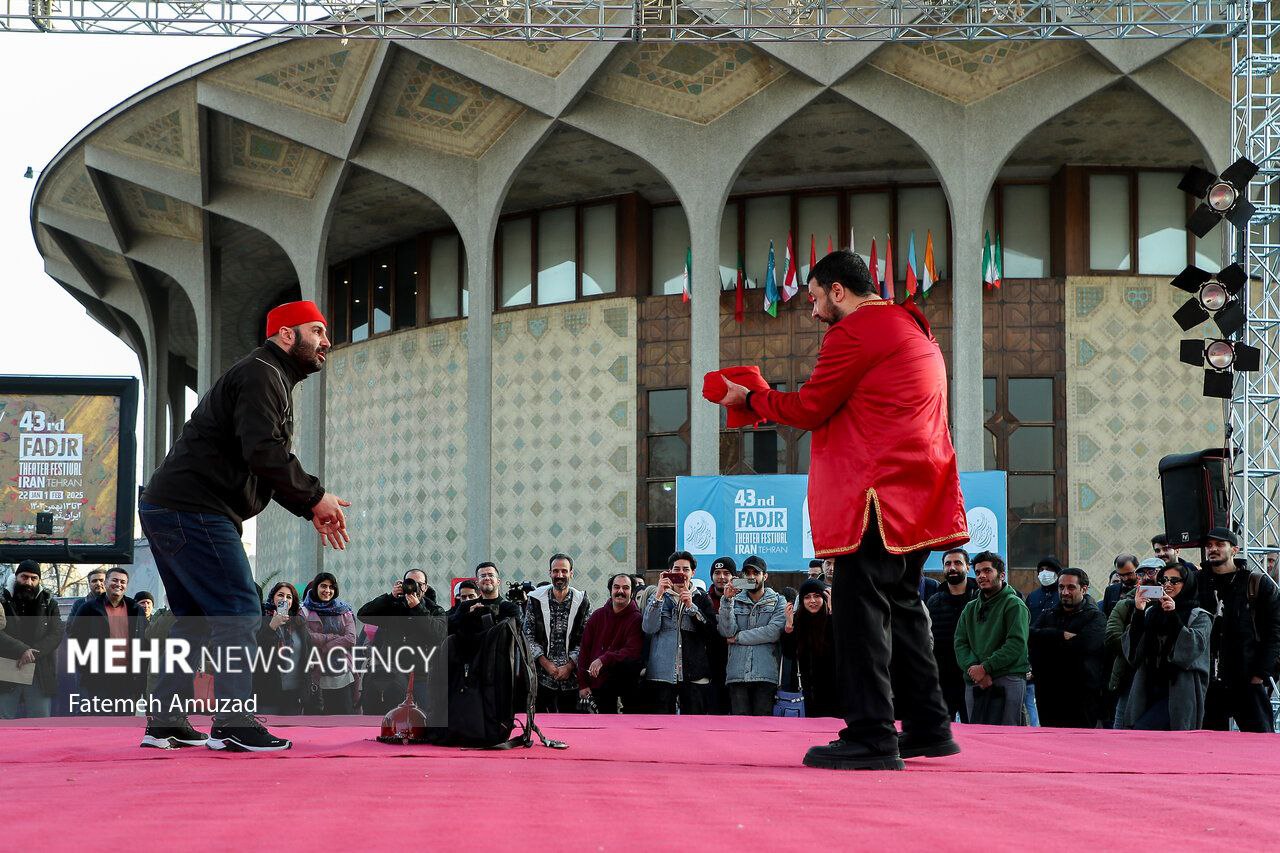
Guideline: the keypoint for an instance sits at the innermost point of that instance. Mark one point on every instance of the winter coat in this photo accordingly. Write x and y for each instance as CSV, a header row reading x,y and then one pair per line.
x,y
944,616
537,621
1245,641
462,619
756,653
993,632
1073,664
266,680
615,639
1121,676
91,625
817,668
341,644
234,456
879,372
678,650
399,626
41,629
1040,600
1165,648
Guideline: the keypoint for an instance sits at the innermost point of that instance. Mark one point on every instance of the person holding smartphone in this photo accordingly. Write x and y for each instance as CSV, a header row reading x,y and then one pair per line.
x,y
281,684
680,622
1167,644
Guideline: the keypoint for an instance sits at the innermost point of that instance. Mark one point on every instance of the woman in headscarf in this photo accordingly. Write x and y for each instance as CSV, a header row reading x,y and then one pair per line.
x,y
807,635
1167,643
281,684
331,626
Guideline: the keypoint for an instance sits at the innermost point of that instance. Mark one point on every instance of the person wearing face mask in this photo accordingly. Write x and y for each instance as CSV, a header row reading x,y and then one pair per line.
x,y
1120,676
945,607
1167,644
30,631
1044,597
808,637
331,625
280,686
1065,645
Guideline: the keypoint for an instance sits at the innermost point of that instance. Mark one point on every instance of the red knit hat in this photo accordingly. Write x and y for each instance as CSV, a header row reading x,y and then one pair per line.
x,y
293,314
714,389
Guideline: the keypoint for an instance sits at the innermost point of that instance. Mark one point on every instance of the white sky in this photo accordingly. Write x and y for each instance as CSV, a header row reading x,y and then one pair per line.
x,y
53,86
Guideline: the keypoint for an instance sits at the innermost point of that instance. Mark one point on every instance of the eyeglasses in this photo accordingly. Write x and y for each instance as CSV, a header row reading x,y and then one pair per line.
x,y
1171,582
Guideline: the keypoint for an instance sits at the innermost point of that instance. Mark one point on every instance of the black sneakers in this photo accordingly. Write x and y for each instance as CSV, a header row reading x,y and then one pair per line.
x,y
846,755
171,733
244,733
935,747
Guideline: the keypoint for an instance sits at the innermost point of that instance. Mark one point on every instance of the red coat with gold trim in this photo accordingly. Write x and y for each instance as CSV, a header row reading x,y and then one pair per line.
x,y
877,407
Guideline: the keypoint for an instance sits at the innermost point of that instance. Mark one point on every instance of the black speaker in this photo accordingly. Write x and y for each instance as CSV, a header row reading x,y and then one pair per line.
x,y
1195,489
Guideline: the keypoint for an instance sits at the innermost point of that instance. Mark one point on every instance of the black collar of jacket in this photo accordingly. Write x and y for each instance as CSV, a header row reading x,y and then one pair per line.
x,y
284,361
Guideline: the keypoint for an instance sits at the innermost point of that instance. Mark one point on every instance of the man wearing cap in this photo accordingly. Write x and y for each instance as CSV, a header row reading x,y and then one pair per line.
x,y
30,631
878,508
232,458
1244,645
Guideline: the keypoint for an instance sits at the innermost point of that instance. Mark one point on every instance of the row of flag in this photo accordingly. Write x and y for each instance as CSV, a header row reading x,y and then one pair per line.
x,y
918,280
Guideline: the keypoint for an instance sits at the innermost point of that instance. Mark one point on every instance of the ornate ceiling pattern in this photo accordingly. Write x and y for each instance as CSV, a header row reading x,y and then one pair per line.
x,y
967,73
317,76
252,157
71,191
151,212
1206,62
159,130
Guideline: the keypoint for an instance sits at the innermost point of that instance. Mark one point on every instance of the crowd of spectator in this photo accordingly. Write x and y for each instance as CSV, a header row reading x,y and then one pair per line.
x,y
1166,645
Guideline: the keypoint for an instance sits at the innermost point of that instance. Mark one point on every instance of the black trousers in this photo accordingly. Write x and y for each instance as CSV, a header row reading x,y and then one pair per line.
x,y
693,697
552,701
1248,704
952,682
883,647
752,698
1066,706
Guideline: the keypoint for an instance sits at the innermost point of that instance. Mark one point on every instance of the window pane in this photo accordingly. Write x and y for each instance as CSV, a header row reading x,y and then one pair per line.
x,y
1025,239
819,221
557,271
662,544
670,243
662,502
988,397
921,209
1162,235
989,451
730,451
1031,495
1031,449
668,410
768,219
869,215
765,451
1031,399
729,247
466,281
1030,541
1209,250
382,291
802,454
599,249
360,299
1109,222
444,276
407,284
668,456
339,303
517,255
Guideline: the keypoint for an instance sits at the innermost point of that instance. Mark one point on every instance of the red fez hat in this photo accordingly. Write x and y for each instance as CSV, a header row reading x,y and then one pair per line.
x,y
714,389
293,314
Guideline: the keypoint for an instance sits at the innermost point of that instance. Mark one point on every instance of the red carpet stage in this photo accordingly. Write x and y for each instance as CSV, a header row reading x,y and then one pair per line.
x,y
637,783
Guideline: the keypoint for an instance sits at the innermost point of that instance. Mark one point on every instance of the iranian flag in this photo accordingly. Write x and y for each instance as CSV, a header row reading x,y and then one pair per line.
x,y
770,286
929,274
688,274
789,286
997,263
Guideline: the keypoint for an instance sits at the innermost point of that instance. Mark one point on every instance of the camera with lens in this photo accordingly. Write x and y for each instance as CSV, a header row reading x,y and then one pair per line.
x,y
518,591
409,586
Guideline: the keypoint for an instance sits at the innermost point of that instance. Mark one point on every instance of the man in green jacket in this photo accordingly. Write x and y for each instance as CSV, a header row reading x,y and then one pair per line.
x,y
991,646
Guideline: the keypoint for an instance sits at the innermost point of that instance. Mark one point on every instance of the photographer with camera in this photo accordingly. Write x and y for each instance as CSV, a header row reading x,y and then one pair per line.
x,y
471,619
555,617
405,618
680,623
751,623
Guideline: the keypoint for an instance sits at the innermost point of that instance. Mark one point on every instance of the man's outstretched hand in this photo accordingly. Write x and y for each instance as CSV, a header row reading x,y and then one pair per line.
x,y
330,522
735,395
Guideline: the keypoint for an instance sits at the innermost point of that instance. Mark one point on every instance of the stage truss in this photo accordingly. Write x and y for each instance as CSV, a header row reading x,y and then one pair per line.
x,y
1253,413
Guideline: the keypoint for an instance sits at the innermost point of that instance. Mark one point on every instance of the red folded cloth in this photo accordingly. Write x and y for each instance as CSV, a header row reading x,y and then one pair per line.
x,y
714,389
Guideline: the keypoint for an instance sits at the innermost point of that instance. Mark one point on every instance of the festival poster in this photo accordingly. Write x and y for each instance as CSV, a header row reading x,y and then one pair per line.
x,y
60,454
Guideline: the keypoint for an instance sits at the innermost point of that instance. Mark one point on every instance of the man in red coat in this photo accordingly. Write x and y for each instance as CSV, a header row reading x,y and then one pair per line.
x,y
883,492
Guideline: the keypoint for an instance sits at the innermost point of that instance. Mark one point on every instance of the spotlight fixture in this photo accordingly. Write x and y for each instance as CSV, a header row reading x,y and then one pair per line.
x,y
1224,358
1212,296
1221,197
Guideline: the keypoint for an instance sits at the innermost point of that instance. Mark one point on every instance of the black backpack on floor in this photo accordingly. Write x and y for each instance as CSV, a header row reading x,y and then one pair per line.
x,y
490,680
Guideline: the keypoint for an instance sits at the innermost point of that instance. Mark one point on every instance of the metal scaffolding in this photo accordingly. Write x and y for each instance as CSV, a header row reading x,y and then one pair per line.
x,y
1254,410
636,20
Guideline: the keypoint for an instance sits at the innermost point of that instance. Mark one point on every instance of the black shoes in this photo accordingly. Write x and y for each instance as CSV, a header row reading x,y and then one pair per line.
x,y
846,755
244,733
918,747
171,733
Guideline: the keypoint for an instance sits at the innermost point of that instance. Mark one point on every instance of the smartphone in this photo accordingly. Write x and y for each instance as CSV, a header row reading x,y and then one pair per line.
x,y
743,585
674,577
1151,593
282,606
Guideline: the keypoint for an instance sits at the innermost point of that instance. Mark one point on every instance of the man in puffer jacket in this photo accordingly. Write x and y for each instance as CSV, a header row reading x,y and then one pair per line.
x,y
752,627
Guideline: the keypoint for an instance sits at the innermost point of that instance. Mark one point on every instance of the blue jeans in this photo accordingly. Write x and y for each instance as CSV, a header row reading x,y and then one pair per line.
x,y
35,703
211,593
1029,702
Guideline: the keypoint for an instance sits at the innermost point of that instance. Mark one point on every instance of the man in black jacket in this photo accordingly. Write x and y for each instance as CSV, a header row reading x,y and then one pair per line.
x,y
470,619
411,628
111,616
1066,655
32,621
232,458
1244,646
945,607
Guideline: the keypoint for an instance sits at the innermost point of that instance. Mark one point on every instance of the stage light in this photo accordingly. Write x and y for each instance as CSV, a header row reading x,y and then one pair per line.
x,y
1214,296
1224,359
1222,196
